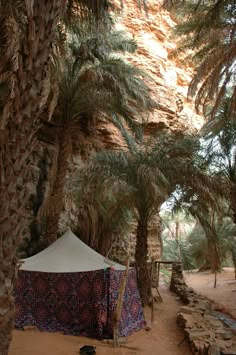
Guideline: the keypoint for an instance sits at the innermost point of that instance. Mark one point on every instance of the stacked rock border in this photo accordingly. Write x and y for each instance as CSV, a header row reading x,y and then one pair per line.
x,y
204,331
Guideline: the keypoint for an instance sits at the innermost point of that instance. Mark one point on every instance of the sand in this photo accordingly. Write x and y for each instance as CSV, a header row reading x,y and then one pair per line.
x,y
163,339
224,295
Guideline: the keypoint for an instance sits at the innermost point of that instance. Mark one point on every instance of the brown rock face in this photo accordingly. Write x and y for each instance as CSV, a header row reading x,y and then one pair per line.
x,y
153,33
169,85
169,80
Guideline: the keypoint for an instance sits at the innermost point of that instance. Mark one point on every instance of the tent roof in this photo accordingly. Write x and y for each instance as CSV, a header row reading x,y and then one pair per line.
x,y
68,254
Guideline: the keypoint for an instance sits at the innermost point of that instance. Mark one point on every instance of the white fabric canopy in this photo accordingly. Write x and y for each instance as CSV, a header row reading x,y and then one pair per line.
x,y
68,254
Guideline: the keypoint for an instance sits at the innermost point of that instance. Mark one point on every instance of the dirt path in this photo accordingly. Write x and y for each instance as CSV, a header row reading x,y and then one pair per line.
x,y
163,339
224,295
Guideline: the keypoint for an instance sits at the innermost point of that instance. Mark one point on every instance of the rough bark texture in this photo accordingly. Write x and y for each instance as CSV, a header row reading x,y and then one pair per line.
x,y
121,243
141,257
234,261
17,140
233,207
56,197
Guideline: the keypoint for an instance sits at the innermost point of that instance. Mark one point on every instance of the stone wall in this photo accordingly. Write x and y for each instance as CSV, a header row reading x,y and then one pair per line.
x,y
205,332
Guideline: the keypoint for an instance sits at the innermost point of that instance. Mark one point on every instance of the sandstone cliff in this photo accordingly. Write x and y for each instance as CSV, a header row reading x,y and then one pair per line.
x,y
169,87
170,80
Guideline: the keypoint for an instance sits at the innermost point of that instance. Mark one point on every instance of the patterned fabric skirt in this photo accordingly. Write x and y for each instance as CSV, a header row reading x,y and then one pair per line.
x,y
78,303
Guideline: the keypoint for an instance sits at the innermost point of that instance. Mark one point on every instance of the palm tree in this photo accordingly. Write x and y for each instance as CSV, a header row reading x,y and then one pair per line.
x,y
94,81
24,75
178,251
147,173
177,227
28,31
204,205
102,216
209,43
220,133
199,244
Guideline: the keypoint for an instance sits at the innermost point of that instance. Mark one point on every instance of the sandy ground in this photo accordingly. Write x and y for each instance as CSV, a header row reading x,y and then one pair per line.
x,y
163,339
224,295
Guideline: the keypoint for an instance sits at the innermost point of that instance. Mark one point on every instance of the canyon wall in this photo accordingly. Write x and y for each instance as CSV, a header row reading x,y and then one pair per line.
x,y
169,84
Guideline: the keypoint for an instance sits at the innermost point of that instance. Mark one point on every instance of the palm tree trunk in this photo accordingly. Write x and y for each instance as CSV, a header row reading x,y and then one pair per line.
x,y
6,311
56,198
233,252
177,239
233,207
17,140
234,261
141,258
233,201
211,235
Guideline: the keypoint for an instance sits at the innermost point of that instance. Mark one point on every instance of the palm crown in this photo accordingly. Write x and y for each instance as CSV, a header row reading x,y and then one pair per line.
x,y
94,81
146,174
209,39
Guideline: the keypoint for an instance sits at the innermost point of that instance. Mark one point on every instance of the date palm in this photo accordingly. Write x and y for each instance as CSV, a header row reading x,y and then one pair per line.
x,y
102,215
92,82
209,43
147,174
205,204
24,75
220,133
199,243
177,227
27,34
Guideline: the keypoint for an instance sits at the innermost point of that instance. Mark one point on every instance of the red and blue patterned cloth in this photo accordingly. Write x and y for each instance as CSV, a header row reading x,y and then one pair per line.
x,y
80,303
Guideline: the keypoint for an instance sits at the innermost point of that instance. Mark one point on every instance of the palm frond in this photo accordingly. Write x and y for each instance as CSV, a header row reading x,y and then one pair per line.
x,y
209,33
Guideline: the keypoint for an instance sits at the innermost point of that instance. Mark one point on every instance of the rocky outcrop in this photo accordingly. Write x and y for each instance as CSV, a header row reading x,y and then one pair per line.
x,y
168,85
169,79
206,333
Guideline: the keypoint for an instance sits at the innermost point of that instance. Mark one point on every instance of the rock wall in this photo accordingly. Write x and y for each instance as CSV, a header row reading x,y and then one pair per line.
x,y
169,84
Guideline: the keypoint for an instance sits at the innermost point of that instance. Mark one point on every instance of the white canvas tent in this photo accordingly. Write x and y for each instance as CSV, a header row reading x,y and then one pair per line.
x,y
68,254
70,288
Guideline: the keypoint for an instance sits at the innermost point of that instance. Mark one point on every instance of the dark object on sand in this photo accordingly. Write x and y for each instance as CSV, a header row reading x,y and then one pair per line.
x,y
88,350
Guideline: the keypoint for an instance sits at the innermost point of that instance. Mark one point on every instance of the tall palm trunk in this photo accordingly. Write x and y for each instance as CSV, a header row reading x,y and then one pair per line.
x,y
141,258
17,140
233,206
233,200
234,260
207,223
56,197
